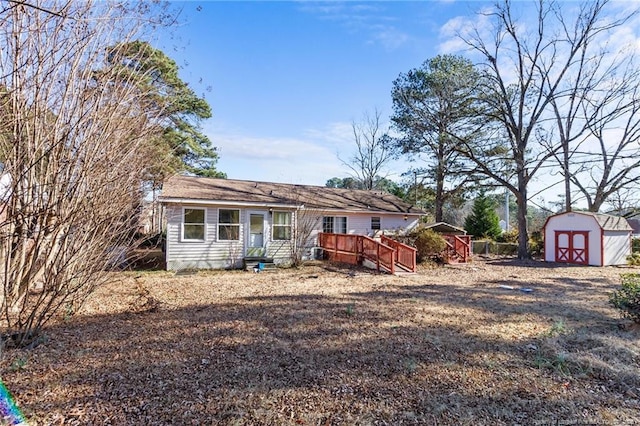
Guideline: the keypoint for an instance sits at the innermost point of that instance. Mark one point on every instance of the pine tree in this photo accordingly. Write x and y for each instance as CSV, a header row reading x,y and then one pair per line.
x,y
483,220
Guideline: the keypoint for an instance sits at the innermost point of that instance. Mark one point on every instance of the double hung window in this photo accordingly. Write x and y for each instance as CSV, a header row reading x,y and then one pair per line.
x,y
281,226
193,224
228,225
334,224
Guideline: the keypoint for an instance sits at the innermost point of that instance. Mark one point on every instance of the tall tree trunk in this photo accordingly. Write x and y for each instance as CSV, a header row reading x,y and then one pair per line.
x,y
567,179
521,198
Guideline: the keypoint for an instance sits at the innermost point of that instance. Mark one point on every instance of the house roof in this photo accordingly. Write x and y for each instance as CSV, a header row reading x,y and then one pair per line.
x,y
606,221
182,189
635,225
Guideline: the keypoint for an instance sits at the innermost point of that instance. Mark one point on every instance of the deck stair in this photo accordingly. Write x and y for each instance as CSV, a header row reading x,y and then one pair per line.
x,y
258,263
386,255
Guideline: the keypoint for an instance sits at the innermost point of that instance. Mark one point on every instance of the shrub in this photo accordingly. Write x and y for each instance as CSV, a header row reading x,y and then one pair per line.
x,y
510,236
627,299
634,259
429,244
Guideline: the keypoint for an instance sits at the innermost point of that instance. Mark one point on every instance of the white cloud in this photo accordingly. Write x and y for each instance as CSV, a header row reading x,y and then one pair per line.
x,y
368,19
310,159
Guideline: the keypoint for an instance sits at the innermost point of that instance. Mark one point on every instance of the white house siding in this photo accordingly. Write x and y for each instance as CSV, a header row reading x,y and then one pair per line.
x,y
213,254
360,223
617,246
210,254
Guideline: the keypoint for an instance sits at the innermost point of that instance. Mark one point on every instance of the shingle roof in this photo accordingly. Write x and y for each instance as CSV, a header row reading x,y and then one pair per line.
x,y
189,188
608,222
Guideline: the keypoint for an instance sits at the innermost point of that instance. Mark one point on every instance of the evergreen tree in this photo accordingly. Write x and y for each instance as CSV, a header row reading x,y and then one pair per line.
x,y
182,146
483,220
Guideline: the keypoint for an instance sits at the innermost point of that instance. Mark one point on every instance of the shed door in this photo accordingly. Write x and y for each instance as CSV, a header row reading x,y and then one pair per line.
x,y
572,247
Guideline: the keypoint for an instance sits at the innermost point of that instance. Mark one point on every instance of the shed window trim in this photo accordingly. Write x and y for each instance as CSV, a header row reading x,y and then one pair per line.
x,y
194,228
282,226
376,223
229,225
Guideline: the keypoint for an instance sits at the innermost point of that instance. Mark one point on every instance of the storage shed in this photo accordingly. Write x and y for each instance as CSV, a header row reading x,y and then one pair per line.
x,y
587,238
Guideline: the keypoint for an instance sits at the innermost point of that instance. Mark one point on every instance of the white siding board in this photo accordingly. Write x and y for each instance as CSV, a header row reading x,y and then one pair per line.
x,y
617,246
210,254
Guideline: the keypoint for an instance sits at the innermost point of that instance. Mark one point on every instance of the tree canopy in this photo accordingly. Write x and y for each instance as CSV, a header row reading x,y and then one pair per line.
x,y
182,146
431,104
483,220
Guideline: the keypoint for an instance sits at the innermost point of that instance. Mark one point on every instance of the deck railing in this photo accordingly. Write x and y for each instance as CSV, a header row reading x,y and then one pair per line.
x,y
405,255
353,249
458,246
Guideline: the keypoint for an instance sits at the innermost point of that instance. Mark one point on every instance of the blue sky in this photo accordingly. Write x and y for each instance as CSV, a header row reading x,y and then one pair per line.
x,y
286,79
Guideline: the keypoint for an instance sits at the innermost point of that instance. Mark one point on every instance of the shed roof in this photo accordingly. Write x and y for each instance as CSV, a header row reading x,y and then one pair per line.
x,y
200,189
606,221
445,228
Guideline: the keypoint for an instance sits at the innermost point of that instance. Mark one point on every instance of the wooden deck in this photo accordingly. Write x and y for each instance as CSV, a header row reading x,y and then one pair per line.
x,y
387,255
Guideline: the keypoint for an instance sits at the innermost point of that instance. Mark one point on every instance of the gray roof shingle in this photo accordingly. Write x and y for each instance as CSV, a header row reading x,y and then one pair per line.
x,y
183,188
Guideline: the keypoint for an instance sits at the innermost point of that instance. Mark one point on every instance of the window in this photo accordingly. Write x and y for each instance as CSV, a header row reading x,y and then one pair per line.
x,y
193,224
228,225
334,224
375,223
281,226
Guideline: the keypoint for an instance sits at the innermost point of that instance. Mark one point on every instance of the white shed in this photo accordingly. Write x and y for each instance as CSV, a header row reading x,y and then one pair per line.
x,y
587,238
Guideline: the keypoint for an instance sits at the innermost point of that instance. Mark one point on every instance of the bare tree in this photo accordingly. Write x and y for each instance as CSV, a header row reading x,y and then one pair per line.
x,y
307,222
598,96
611,163
526,67
74,142
373,151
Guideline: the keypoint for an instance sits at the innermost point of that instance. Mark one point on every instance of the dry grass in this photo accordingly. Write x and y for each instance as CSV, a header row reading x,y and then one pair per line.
x,y
324,345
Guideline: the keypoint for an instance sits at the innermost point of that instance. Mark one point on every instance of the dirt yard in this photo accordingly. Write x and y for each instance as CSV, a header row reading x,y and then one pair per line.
x,y
328,345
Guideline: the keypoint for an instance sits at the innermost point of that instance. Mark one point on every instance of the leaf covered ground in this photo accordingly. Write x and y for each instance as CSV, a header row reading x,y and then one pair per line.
x,y
329,345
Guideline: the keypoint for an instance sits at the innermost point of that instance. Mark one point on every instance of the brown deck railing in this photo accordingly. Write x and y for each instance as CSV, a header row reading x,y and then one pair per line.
x,y
458,246
353,249
405,255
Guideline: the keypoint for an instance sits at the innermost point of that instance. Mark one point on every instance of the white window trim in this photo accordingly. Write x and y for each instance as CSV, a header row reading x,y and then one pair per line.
x,y
379,223
239,225
183,223
346,223
274,225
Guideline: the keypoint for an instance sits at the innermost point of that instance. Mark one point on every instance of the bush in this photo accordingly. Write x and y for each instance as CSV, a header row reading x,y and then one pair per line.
x,y
510,236
429,244
627,299
634,259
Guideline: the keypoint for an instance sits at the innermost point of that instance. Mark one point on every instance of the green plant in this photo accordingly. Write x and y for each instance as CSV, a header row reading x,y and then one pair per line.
x,y
483,220
634,259
510,236
627,299
556,329
558,362
18,364
350,309
429,244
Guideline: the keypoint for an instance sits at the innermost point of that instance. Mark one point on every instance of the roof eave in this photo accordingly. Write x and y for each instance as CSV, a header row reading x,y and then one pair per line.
x,y
175,200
